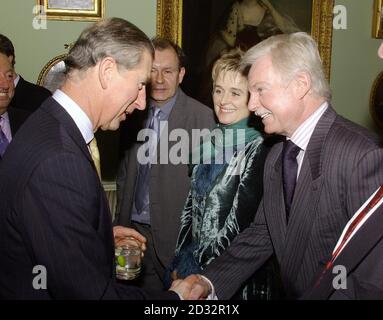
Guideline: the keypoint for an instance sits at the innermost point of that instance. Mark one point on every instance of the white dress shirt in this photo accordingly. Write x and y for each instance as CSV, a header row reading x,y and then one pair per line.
x,y
77,114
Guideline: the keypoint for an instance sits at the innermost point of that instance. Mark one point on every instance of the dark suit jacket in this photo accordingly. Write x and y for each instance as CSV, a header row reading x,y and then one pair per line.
x,y
169,184
363,259
29,96
54,213
16,118
342,166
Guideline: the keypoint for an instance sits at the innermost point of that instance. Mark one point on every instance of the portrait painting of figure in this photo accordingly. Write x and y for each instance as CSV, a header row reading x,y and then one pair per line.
x,y
210,27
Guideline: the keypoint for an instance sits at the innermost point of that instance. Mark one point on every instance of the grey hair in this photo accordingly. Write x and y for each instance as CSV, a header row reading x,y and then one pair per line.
x,y
113,37
291,54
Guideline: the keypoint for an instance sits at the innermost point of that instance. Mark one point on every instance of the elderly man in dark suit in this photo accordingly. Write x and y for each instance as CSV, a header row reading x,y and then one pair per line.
x,y
313,181
150,197
28,96
10,118
355,268
54,216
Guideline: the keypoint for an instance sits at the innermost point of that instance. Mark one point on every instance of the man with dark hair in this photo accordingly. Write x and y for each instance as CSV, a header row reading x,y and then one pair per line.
x,y
10,118
151,196
28,96
54,216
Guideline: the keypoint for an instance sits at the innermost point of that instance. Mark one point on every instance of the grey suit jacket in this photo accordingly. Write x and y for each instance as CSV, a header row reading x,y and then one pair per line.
x,y
341,168
169,183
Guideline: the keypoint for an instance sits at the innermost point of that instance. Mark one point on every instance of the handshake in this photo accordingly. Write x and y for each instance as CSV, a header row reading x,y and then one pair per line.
x,y
193,287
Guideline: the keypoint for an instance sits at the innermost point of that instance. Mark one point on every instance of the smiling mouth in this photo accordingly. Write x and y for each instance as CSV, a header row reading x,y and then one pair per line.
x,y
227,110
263,115
4,94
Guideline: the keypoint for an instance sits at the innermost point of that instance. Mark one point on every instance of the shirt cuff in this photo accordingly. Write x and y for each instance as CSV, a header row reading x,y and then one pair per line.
x,y
212,295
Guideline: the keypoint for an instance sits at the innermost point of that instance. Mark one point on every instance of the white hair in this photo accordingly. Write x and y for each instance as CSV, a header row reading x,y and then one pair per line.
x,y
291,54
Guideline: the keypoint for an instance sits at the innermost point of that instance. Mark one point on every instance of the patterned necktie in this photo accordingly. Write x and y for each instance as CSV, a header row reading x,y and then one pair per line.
x,y
95,153
289,171
142,185
3,139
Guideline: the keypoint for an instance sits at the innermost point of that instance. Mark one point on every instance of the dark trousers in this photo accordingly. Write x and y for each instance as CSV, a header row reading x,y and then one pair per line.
x,y
152,270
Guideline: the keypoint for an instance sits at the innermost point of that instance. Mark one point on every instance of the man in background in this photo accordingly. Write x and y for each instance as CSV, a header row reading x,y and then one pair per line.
x,y
28,96
10,118
150,197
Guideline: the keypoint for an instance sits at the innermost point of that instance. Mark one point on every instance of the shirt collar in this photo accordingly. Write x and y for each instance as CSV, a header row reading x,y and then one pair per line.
x,y
6,125
77,114
166,109
302,135
16,80
5,116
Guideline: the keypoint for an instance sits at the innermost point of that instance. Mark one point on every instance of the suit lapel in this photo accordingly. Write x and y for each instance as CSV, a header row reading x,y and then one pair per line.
x,y
16,119
275,206
306,198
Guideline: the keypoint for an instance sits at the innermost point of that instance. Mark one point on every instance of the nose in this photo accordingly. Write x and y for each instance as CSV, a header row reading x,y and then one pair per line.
x,y
253,103
140,102
225,98
159,77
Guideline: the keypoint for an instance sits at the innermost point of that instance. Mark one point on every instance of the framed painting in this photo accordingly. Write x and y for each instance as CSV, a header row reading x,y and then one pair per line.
x,y
205,28
377,24
83,10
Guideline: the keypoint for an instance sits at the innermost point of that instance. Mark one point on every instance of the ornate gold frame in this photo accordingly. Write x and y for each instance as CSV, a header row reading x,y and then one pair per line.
x,y
74,14
48,68
377,31
169,25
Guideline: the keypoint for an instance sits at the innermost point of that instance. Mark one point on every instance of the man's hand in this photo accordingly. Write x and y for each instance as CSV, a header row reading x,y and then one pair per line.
x,y
183,287
121,234
194,287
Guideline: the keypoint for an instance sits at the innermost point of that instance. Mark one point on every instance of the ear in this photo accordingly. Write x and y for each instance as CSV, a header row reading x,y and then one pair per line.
x,y
302,84
106,69
380,51
181,75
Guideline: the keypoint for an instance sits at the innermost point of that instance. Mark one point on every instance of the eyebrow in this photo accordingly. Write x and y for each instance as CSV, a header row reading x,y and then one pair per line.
x,y
236,89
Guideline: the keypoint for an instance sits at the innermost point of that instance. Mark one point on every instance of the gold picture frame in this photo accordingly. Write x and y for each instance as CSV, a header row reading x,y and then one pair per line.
x,y
377,24
80,10
53,73
170,14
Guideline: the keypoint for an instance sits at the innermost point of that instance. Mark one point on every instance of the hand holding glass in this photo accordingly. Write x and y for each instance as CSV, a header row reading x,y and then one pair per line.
x,y
128,260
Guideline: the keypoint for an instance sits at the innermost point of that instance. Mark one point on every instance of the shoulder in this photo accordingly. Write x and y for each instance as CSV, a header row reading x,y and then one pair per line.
x,y
348,133
33,87
196,106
